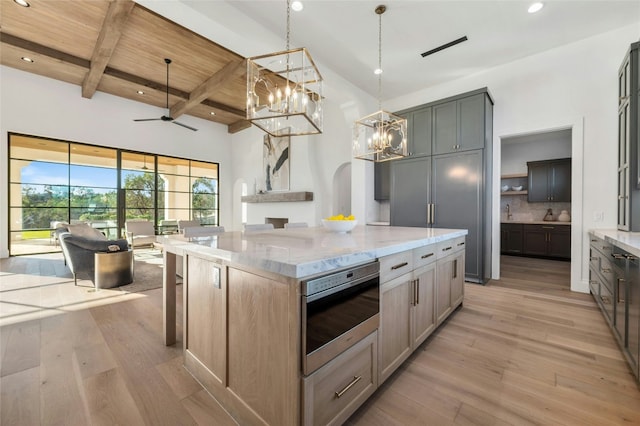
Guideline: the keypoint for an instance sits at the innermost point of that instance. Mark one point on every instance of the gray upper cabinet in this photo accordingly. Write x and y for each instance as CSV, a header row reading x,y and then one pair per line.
x,y
445,131
550,180
459,125
628,140
420,132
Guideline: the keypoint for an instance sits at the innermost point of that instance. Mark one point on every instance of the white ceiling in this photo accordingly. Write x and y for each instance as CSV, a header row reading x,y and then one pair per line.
x,y
343,35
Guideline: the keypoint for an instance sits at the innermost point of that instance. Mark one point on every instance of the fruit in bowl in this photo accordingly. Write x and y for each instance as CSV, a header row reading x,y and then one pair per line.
x,y
340,223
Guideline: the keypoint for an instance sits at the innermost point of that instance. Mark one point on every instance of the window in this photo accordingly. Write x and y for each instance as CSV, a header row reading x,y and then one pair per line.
x,y
57,181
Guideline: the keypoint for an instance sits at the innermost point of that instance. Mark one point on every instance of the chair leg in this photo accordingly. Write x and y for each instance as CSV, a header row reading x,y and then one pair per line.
x,y
75,279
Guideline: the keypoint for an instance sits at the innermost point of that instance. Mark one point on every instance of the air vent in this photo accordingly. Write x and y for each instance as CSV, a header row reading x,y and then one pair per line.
x,y
444,46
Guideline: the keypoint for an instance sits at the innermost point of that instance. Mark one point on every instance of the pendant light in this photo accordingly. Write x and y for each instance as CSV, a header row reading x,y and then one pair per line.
x,y
284,91
381,136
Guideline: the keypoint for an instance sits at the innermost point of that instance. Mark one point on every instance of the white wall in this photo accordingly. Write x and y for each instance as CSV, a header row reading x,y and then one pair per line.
x,y
517,151
40,106
573,86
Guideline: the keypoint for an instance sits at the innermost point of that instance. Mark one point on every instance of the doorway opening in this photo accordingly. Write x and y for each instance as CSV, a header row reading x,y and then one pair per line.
x,y
536,206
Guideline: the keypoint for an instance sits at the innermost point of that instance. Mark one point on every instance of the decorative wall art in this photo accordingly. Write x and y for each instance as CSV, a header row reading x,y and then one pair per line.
x,y
276,163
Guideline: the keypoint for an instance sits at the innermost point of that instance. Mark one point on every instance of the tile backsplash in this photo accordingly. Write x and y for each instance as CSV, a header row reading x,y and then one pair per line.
x,y
524,211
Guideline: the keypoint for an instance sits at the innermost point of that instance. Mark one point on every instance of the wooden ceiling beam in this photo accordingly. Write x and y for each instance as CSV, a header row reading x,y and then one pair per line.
x,y
112,27
39,49
238,126
207,88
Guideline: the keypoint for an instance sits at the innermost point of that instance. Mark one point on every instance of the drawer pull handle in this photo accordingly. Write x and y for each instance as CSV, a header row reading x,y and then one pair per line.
x,y
605,270
461,244
548,227
630,257
424,256
399,265
446,248
355,380
593,258
606,247
617,256
594,241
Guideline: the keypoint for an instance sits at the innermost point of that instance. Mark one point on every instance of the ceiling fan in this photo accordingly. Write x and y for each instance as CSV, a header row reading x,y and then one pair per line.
x,y
168,116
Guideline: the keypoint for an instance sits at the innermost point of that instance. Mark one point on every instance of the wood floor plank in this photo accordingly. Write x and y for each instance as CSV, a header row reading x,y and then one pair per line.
x,y
22,350
20,398
206,411
109,400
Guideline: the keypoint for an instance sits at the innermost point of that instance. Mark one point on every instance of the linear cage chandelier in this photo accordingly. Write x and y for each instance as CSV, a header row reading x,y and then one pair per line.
x,y
284,91
381,136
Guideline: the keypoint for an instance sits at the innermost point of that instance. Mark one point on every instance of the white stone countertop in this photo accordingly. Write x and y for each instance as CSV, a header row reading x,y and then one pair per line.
x,y
537,222
301,252
629,241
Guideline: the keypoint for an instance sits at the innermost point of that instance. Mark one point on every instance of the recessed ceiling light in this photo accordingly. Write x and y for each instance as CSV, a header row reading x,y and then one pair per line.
x,y
377,71
535,7
27,59
22,3
140,92
212,113
297,5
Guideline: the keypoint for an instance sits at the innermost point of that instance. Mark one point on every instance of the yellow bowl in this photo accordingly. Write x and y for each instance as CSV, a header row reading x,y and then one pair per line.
x,y
339,225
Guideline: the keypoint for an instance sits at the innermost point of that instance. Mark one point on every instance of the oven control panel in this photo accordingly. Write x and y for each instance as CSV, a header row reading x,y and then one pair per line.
x,y
339,278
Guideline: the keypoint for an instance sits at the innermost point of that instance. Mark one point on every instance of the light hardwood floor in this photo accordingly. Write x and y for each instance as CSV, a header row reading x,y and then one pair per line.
x,y
523,350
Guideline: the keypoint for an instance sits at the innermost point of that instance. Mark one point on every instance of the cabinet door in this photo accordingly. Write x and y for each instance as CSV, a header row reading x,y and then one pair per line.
x,y
395,331
535,240
207,304
382,180
444,276
560,242
471,121
458,189
623,157
511,238
424,320
560,181
538,182
445,132
420,132
457,280
410,191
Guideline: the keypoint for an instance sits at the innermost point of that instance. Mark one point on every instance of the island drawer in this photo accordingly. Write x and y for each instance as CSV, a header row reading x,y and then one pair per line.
x,y
394,265
445,248
336,390
425,255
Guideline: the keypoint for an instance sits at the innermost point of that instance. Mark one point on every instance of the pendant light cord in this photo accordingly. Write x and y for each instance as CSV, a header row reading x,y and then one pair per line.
x,y
380,59
288,23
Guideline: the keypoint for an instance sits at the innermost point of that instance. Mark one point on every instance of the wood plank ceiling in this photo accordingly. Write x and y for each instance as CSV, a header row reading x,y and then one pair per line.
x,y
118,47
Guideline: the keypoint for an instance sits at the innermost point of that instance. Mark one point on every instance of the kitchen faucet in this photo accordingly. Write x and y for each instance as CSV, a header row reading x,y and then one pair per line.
x,y
509,215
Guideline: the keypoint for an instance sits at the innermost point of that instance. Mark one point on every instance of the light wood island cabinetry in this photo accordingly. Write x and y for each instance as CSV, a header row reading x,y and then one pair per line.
x,y
243,318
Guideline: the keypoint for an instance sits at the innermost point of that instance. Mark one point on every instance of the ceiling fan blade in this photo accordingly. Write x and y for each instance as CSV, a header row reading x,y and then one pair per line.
x,y
185,126
147,119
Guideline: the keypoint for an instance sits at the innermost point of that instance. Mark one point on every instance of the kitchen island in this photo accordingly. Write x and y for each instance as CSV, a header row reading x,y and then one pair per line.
x,y
244,314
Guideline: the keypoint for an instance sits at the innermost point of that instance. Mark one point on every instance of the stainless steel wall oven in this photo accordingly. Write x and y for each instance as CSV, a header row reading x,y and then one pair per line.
x,y
338,310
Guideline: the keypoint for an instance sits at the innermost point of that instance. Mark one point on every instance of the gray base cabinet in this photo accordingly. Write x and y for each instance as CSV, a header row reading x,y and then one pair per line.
x,y
511,238
614,282
452,187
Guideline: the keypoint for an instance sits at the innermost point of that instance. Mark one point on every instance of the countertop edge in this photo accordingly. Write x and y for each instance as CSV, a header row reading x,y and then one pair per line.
x,y
309,268
629,241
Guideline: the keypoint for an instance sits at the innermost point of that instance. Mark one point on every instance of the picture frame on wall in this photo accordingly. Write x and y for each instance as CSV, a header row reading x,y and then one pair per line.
x,y
276,163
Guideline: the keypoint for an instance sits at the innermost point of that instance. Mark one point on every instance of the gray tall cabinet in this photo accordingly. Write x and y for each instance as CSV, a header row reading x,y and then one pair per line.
x,y
446,182
628,140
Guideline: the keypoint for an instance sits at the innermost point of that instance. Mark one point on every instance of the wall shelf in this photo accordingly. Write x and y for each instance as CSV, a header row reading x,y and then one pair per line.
x,y
514,176
278,197
525,192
